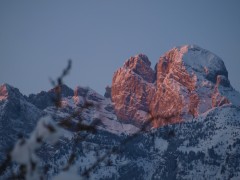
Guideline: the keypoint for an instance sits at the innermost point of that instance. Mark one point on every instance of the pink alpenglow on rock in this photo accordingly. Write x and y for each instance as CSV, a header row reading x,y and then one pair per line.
x,y
187,81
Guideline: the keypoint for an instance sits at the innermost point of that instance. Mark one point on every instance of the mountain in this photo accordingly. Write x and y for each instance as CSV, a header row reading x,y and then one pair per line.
x,y
205,148
17,117
187,81
187,103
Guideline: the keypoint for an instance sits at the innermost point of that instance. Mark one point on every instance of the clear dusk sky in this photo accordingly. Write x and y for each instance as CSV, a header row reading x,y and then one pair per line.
x,y
38,37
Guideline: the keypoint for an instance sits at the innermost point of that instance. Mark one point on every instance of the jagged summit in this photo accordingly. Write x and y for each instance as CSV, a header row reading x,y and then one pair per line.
x,y
81,91
65,91
8,91
45,98
139,58
140,65
197,59
187,81
4,89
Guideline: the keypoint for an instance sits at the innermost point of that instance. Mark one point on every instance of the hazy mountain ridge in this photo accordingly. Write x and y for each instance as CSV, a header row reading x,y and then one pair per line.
x,y
203,144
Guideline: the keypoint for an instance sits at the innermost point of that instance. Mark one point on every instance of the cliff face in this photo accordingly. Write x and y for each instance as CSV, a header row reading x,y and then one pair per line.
x,y
133,88
187,81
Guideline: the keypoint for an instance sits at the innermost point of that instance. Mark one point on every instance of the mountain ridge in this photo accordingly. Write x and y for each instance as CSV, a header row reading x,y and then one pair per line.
x,y
186,76
202,145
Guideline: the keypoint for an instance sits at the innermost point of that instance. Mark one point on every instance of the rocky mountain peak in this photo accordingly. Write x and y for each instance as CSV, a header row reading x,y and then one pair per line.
x,y
197,60
7,91
187,81
129,88
65,91
107,93
4,91
45,99
81,91
138,59
140,65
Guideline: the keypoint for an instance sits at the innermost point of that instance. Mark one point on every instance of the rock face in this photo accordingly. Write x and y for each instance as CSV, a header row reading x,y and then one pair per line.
x,y
17,116
133,89
45,99
108,92
7,91
187,81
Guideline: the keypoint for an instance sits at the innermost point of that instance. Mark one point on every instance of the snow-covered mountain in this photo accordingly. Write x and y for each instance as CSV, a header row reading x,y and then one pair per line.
x,y
187,81
194,132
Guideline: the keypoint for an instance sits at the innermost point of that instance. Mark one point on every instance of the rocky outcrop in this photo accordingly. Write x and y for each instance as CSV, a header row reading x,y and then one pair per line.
x,y
132,88
45,99
184,84
108,92
9,92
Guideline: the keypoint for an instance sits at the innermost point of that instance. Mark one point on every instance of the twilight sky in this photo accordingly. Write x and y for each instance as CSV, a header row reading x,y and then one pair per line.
x,y
38,37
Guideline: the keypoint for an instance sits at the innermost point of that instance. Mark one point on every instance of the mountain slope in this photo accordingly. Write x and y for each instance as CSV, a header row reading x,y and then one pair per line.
x,y
205,148
17,117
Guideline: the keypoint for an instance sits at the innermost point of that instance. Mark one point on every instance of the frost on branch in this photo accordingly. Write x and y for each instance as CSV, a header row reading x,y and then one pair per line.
x,y
24,152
